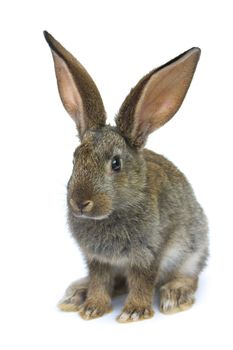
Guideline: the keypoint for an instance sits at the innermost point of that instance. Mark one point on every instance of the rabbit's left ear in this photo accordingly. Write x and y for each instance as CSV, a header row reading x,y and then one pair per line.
x,y
156,98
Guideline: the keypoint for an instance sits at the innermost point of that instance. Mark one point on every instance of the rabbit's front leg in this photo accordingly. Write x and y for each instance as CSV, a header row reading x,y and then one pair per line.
x,y
98,300
138,304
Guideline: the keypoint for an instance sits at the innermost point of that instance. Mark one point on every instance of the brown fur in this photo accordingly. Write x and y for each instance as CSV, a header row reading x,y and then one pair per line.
x,y
98,300
144,229
141,289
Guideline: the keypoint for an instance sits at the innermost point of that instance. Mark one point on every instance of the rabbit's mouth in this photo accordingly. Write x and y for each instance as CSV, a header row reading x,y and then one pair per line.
x,y
84,216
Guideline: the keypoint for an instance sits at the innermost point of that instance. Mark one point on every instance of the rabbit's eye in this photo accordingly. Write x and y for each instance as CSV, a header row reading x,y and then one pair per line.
x,y
116,163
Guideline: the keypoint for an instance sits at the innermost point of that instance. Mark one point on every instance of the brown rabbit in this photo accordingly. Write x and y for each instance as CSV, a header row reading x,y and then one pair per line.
x,y
132,212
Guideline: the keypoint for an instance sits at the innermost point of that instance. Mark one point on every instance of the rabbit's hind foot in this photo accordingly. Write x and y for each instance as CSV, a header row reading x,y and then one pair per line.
x,y
177,295
74,296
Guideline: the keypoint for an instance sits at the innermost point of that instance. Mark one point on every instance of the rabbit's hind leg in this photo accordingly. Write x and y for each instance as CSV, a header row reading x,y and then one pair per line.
x,y
75,295
178,294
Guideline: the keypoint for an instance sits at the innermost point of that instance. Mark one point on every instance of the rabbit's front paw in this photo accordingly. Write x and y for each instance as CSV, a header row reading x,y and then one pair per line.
x,y
93,308
135,313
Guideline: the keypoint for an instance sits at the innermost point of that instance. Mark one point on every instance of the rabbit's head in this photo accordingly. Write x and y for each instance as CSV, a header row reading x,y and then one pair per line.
x,y
109,171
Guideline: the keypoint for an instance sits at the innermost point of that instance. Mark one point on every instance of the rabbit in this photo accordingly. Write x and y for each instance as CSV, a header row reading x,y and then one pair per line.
x,y
133,214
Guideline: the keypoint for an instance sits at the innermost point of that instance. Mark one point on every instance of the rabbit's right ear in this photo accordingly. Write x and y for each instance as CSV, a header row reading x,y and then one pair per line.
x,y
77,90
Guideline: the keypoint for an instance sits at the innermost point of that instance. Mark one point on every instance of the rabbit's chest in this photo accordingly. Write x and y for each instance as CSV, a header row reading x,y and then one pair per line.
x,y
116,245
109,247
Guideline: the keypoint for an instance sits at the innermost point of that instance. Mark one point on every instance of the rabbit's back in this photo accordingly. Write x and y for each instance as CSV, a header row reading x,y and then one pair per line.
x,y
177,203
182,222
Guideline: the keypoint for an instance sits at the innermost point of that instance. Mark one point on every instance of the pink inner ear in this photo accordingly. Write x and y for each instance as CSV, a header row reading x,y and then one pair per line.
x,y
68,91
163,94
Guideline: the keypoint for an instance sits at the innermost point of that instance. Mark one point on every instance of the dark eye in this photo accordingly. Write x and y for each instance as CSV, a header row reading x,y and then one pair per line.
x,y
116,163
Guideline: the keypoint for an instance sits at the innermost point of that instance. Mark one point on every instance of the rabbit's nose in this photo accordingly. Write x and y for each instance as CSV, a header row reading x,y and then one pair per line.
x,y
84,206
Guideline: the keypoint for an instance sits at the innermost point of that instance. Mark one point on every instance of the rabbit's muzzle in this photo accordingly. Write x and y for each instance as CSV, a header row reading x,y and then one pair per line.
x,y
94,206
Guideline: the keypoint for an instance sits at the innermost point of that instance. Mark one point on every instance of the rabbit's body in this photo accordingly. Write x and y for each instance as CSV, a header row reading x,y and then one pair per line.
x,y
165,224
132,212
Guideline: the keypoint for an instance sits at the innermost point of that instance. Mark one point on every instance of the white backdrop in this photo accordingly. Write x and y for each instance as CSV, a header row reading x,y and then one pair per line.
x,y
118,42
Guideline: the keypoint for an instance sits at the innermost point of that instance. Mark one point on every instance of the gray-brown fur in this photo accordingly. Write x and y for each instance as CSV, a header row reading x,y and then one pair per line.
x,y
141,228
